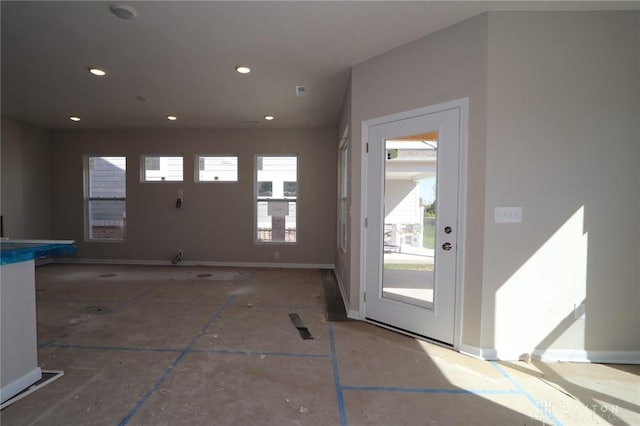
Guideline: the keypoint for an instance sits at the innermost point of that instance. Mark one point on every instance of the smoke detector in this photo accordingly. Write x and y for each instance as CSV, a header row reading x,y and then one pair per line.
x,y
123,11
301,91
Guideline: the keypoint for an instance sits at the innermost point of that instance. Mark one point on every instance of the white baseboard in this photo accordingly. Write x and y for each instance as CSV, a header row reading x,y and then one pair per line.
x,y
553,355
195,263
603,357
356,315
473,351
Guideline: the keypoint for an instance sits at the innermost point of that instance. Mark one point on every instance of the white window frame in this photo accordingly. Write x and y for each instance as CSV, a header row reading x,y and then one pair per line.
x,y
343,193
143,169
196,170
88,198
257,199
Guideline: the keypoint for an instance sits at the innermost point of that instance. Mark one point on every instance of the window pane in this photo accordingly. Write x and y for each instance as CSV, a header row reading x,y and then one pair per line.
x,y
276,198
107,177
265,189
161,169
277,170
290,189
276,226
107,219
217,169
344,191
152,163
106,198
343,171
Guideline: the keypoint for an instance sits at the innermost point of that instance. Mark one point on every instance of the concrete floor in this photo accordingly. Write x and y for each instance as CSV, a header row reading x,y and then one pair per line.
x,y
215,346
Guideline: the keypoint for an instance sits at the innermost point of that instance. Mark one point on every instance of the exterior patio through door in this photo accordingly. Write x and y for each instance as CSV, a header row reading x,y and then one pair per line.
x,y
412,220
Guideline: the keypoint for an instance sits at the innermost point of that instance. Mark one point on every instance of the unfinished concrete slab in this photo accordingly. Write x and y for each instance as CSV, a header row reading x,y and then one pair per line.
x,y
216,346
244,390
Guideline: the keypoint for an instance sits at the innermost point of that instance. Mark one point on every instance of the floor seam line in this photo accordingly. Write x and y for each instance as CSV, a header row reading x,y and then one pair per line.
x,y
526,394
173,365
460,391
112,348
336,377
266,353
123,305
218,351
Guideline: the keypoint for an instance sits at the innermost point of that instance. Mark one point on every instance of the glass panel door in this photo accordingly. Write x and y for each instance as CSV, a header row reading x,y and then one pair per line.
x,y
410,279
410,193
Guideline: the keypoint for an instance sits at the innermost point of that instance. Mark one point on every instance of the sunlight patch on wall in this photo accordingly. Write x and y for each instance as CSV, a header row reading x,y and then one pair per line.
x,y
549,288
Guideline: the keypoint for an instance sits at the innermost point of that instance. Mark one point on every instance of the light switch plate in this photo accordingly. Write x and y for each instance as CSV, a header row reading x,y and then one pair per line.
x,y
508,215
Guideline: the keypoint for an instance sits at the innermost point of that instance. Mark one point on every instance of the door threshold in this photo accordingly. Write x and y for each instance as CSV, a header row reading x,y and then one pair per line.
x,y
410,334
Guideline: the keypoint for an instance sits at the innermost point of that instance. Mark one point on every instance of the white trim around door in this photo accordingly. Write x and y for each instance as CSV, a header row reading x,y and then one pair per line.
x,y
461,107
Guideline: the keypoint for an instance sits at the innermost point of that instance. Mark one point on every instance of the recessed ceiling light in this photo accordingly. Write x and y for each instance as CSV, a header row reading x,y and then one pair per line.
x,y
123,11
243,69
269,117
172,117
97,71
74,118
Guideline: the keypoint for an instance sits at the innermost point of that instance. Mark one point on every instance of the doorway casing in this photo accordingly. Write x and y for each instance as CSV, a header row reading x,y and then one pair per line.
x,y
463,105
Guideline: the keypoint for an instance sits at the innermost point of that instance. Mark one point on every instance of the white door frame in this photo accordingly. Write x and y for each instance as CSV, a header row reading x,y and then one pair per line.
x,y
463,105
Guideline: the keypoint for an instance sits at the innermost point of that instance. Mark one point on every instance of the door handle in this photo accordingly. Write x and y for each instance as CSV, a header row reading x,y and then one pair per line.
x,y
446,246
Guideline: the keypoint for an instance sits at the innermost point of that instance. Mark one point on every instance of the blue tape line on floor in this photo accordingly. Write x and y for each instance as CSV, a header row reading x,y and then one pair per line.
x,y
113,348
527,395
433,390
191,351
51,341
238,352
336,378
179,358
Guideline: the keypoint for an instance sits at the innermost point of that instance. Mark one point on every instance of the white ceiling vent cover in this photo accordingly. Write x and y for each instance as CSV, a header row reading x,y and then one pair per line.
x,y
301,91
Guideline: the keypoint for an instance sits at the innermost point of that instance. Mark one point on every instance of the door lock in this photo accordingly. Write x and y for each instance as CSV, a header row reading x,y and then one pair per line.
x,y
447,229
446,246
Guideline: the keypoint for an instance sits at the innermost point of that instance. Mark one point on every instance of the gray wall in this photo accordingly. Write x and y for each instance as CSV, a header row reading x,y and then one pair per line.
x,y
215,223
447,65
563,142
554,113
26,180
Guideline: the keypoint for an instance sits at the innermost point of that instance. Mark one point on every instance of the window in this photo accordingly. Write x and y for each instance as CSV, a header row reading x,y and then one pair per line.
x,y
105,198
290,189
152,163
217,169
265,189
276,198
159,168
343,208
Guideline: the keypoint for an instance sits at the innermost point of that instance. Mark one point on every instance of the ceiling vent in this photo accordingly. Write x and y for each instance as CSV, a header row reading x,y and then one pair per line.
x,y
301,91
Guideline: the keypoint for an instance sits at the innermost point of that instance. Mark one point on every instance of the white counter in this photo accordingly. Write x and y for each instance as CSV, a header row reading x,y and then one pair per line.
x,y
19,341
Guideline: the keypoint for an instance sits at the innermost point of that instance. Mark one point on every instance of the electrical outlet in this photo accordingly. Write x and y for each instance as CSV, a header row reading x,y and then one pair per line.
x,y
507,215
276,255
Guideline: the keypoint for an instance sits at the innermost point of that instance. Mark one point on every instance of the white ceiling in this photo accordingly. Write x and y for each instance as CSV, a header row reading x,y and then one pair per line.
x,y
181,55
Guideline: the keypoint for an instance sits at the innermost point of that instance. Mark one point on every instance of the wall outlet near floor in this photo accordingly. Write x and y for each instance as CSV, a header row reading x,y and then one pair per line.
x,y
276,255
